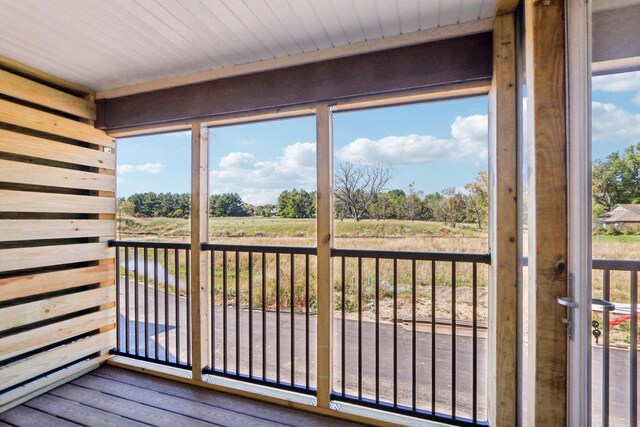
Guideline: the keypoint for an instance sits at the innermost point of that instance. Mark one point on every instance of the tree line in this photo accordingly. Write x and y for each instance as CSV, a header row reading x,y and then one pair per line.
x,y
358,195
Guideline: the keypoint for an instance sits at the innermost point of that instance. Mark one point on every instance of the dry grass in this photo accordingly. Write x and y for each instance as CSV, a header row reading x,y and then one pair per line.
x,y
385,235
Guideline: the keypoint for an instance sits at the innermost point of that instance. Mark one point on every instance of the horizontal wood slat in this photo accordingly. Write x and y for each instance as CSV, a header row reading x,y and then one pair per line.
x,y
37,311
34,229
24,201
41,148
32,389
26,173
33,284
23,370
30,118
44,256
14,345
37,93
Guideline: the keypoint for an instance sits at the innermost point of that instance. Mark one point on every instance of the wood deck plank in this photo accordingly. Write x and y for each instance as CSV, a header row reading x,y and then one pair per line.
x,y
201,411
81,414
126,408
24,416
214,398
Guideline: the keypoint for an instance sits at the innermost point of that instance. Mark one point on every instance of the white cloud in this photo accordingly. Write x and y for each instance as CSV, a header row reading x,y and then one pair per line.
x,y
469,139
122,169
153,168
623,82
262,181
611,123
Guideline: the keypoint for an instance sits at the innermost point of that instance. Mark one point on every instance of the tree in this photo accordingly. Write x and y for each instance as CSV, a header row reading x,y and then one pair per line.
x,y
296,204
478,199
413,202
453,206
616,179
228,204
357,187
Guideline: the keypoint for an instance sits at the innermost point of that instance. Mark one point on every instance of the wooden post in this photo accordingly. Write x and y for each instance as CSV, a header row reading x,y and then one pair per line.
x,y
503,297
547,380
199,234
324,143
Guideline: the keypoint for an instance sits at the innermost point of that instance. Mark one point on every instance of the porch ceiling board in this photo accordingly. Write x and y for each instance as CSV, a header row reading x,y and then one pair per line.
x,y
106,45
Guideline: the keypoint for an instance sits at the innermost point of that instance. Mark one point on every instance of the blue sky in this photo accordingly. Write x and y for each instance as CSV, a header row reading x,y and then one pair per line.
x,y
434,145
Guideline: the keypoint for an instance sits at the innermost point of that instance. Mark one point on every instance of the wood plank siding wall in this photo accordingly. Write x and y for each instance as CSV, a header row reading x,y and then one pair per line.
x,y
57,211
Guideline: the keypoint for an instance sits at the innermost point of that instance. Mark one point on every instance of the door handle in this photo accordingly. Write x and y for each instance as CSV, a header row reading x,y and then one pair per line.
x,y
606,305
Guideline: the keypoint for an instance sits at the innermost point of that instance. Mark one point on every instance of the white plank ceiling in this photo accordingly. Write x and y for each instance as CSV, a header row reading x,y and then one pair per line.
x,y
106,44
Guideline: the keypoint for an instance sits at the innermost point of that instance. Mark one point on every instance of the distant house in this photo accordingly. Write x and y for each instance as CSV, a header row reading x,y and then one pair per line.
x,y
623,215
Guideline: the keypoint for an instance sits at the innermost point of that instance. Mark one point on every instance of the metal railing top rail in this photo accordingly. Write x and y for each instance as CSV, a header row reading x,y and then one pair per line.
x,y
149,245
616,264
296,250
606,264
413,255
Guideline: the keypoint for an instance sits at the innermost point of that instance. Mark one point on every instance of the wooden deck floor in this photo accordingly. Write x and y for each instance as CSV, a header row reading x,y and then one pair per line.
x,y
111,396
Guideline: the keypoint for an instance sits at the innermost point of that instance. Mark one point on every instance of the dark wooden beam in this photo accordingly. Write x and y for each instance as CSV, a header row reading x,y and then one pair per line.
x,y
616,33
443,62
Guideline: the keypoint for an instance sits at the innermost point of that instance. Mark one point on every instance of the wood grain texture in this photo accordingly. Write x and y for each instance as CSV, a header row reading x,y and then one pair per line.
x,y
37,93
26,201
41,148
19,115
14,345
503,296
547,352
34,284
33,229
324,216
49,308
19,67
16,396
43,256
390,71
26,173
23,370
199,233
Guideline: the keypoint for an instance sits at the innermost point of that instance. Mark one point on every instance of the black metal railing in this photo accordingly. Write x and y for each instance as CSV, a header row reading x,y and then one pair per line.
x,y
153,302
262,301
420,353
616,336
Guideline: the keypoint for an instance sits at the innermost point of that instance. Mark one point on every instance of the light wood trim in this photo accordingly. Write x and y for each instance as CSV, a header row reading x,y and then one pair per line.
x,y
22,370
418,37
25,201
33,72
27,173
458,90
37,311
547,351
504,7
37,93
21,394
34,284
43,256
17,344
324,141
602,5
199,234
30,118
503,297
39,229
40,148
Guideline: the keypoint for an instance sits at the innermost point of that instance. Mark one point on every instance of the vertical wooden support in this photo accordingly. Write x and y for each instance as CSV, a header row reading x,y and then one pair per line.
x,y
547,379
324,143
503,228
199,234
